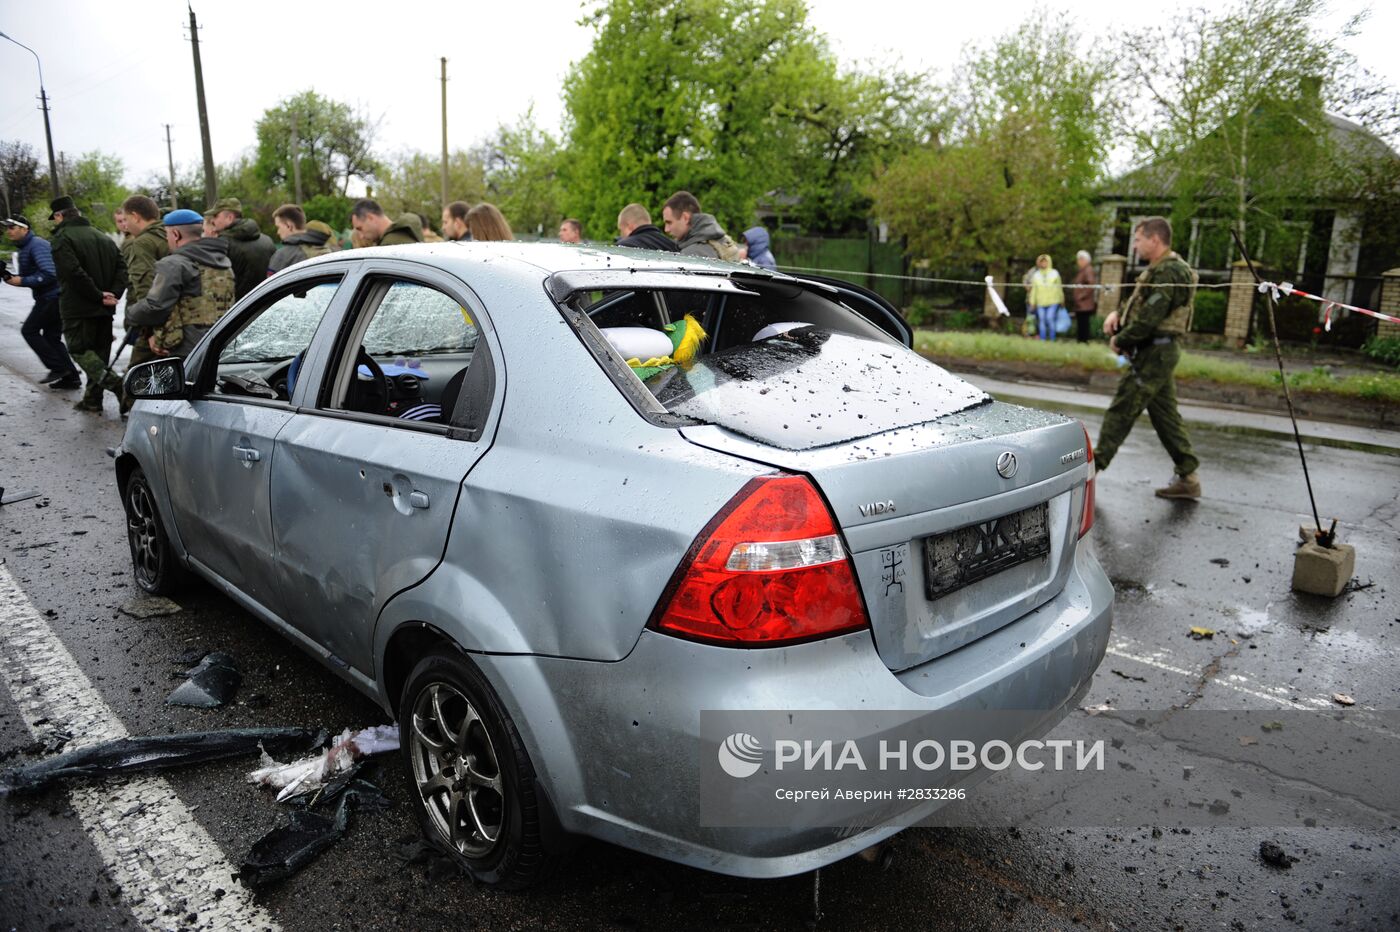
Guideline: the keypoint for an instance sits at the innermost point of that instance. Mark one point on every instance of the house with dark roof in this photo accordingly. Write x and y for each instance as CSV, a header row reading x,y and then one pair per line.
x,y
1306,219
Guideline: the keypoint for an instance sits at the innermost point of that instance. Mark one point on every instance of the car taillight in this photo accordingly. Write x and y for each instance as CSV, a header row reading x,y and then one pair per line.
x,y
770,568
1087,521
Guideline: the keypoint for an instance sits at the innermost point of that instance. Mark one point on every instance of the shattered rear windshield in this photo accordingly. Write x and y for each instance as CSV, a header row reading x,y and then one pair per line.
x,y
782,365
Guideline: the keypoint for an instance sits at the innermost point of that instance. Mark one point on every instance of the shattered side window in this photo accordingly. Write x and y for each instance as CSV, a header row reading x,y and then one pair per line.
x,y
282,329
413,320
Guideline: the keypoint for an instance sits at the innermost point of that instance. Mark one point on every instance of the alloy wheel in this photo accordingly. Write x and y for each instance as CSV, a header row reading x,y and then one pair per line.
x,y
457,770
143,530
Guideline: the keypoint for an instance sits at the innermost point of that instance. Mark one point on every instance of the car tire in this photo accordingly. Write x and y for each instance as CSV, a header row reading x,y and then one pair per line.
x,y
157,569
476,792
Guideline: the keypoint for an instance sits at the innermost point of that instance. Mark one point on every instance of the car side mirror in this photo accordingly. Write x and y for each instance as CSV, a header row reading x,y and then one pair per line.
x,y
161,378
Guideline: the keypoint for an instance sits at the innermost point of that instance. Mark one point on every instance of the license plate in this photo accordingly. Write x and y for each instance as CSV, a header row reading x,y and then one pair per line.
x,y
958,558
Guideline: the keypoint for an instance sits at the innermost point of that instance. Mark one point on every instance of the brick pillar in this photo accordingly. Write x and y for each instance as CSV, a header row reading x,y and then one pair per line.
x,y
1390,304
1111,274
1239,310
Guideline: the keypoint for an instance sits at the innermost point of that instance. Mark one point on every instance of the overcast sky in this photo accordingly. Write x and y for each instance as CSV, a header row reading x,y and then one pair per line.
x,y
117,72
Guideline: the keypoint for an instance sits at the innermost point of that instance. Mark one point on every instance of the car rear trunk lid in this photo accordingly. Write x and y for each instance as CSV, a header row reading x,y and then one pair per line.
x,y
947,546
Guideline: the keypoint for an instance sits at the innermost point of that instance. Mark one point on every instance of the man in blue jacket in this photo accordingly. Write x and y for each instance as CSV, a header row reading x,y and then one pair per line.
x,y
43,328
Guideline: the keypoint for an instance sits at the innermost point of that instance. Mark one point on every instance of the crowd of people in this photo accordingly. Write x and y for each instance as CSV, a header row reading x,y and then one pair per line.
x,y
181,271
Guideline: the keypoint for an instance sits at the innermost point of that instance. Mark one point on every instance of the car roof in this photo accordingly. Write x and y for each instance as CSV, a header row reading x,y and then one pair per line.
x,y
544,257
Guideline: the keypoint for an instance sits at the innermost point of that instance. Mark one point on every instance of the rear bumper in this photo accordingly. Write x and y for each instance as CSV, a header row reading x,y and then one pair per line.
x,y
618,744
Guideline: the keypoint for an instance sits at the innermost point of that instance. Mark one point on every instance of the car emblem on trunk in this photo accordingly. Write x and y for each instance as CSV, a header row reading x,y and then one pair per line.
x,y
1006,464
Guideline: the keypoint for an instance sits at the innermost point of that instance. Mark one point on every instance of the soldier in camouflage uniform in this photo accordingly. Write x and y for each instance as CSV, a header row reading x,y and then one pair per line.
x,y
194,287
144,247
1154,319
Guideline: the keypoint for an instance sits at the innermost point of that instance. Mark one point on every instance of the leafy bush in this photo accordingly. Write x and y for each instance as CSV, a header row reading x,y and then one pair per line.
x,y
331,209
1210,312
920,313
1383,349
964,320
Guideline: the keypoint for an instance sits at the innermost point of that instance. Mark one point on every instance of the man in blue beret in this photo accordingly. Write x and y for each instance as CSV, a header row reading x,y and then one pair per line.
x,y
193,287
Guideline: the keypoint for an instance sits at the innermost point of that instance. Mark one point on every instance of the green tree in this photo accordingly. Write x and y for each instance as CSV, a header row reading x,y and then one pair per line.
x,y
189,188
853,124
693,94
1235,118
19,174
413,181
522,165
95,183
1014,171
335,145
242,178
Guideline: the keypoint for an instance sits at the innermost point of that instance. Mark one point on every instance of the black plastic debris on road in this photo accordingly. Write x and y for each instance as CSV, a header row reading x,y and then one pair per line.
x,y
288,848
420,851
1272,853
211,683
365,794
158,752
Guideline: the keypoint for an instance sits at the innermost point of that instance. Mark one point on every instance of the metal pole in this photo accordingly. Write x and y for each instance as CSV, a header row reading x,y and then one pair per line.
x,y
1324,537
444,132
44,106
211,179
170,154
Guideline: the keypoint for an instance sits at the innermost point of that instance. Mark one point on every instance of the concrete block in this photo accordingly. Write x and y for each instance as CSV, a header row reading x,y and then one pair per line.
x,y
1323,571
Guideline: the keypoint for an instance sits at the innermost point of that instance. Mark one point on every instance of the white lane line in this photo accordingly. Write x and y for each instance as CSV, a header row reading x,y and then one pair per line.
x,y
1235,682
165,863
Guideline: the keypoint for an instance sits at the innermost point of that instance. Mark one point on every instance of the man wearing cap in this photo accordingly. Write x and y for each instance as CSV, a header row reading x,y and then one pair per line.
x,y
144,247
249,248
43,328
91,278
194,286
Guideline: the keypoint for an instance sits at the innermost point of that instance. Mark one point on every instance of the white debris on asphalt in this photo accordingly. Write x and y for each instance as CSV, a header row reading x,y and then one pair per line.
x,y
311,772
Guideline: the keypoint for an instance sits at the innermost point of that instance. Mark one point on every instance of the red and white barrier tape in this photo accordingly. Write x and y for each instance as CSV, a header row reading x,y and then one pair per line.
x,y
1328,305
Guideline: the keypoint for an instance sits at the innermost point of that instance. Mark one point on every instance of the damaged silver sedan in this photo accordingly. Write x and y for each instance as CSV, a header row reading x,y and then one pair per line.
x,y
545,504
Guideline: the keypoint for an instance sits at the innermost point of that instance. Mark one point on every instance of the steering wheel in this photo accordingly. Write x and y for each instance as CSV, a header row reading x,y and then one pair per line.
x,y
370,400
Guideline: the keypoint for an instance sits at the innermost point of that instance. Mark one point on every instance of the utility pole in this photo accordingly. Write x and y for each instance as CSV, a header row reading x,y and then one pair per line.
x,y
296,156
211,179
170,154
444,132
44,106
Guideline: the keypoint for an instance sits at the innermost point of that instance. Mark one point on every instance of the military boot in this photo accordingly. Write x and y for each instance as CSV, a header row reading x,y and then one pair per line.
x,y
1187,487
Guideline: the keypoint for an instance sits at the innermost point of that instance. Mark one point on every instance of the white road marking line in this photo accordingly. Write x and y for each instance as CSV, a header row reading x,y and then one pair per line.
x,y
1116,648
165,863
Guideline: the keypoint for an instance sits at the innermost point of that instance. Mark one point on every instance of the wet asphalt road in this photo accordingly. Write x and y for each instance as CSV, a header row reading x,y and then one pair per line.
x,y
67,550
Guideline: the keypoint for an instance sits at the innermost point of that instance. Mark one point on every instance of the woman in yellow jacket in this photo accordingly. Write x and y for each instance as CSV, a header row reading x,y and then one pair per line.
x,y
1047,296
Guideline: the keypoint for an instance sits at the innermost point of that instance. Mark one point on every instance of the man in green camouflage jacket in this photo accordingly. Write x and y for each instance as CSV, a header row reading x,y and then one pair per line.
x,y
142,250
194,287
249,248
1156,316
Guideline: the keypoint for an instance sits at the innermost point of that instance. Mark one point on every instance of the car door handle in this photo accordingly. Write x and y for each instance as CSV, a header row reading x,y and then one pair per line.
x,y
418,499
247,454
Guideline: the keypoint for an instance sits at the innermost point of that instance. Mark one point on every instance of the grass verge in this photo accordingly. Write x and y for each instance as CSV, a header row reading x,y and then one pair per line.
x,y
1094,357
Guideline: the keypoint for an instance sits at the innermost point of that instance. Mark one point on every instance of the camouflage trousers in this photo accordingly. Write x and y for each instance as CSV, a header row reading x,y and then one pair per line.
x,y
1148,384
89,342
